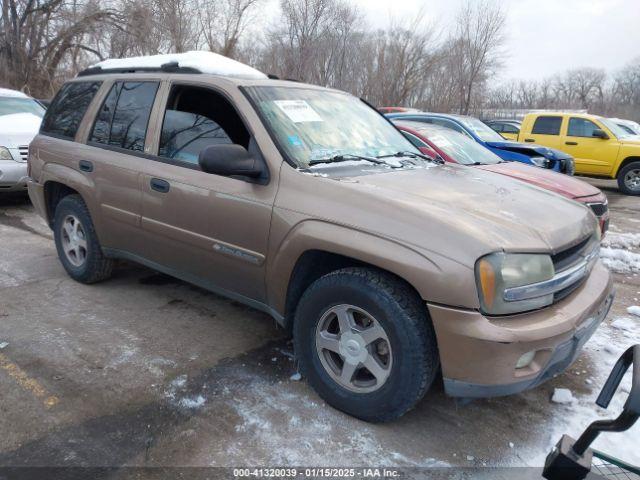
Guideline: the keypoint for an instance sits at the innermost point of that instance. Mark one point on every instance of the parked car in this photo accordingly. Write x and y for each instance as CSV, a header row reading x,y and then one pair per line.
x,y
507,128
600,147
396,109
20,118
629,126
305,203
454,147
507,150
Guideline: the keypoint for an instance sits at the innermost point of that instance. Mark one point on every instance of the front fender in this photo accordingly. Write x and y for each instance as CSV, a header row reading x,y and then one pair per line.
x,y
436,278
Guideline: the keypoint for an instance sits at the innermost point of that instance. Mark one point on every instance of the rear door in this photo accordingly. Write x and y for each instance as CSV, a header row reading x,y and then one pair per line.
x,y
593,155
546,130
208,229
114,156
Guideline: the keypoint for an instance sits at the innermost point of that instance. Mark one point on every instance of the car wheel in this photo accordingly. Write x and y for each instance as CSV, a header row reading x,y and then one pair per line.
x,y
77,243
629,179
365,343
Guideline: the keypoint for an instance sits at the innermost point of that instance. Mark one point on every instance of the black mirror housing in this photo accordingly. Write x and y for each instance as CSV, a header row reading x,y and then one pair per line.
x,y
230,160
599,133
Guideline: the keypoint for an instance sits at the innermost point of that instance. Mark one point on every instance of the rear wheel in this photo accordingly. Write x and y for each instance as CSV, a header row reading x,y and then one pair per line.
x,y
77,243
629,179
365,343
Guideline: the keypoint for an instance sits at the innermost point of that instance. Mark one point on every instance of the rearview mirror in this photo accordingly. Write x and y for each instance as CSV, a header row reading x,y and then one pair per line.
x,y
599,133
229,160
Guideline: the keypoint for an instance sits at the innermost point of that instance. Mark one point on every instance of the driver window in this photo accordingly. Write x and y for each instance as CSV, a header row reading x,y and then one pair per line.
x,y
581,127
196,118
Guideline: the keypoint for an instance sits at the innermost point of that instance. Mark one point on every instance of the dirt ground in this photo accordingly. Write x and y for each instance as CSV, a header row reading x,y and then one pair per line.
x,y
145,370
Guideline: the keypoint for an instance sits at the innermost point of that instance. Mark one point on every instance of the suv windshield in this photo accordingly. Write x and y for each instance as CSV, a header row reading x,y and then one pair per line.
x,y
462,149
12,105
482,130
314,124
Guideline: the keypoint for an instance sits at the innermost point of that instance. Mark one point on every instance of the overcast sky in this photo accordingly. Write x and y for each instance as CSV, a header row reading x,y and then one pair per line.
x,y
543,36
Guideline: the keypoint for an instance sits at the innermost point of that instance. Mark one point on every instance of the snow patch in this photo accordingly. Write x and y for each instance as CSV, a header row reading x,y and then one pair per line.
x,y
634,310
191,403
562,395
621,240
624,323
620,261
205,62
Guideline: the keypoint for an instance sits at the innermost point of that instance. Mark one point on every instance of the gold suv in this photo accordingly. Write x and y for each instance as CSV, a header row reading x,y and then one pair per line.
x,y
306,203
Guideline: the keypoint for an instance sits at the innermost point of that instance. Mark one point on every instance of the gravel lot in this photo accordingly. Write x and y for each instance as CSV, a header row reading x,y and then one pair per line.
x,y
147,370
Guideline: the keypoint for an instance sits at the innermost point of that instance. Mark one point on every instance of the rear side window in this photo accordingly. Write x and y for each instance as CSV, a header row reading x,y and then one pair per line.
x,y
66,111
547,125
124,116
581,127
508,128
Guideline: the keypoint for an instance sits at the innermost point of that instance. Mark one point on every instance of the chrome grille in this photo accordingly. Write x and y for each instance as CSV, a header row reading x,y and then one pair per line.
x,y
24,152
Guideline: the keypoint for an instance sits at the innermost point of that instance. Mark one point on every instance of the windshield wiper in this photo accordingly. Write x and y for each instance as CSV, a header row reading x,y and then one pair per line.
x,y
401,154
348,157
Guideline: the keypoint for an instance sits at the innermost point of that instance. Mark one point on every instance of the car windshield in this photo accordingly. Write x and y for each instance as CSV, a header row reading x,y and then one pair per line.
x,y
311,125
12,105
482,130
462,149
616,129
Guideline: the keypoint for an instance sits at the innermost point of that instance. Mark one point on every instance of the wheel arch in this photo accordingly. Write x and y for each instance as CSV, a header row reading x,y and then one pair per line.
x,y
314,248
625,162
60,181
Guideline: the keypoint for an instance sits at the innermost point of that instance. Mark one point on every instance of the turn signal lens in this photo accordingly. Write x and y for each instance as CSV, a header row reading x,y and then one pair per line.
x,y
487,281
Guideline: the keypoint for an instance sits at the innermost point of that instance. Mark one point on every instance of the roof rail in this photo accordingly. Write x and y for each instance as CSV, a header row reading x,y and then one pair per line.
x,y
170,67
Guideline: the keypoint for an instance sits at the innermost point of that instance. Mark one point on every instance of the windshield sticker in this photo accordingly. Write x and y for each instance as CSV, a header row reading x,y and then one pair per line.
x,y
298,111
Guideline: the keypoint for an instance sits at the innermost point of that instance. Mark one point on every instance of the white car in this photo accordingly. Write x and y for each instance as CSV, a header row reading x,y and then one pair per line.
x,y
20,118
628,126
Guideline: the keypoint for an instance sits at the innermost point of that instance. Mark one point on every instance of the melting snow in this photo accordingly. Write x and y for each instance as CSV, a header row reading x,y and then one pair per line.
x,y
620,261
562,395
634,310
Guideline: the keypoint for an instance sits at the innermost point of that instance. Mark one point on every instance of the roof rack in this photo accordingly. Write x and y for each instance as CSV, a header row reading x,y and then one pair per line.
x,y
170,67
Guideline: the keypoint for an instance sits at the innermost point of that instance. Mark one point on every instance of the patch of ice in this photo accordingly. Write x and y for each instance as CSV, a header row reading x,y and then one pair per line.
x,y
624,323
620,261
562,395
195,402
634,310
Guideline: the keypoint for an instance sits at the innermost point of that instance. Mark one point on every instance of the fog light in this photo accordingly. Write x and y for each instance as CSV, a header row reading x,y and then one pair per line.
x,y
526,359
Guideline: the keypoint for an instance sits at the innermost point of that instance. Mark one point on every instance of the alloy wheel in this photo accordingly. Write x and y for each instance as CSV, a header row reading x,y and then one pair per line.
x,y
74,240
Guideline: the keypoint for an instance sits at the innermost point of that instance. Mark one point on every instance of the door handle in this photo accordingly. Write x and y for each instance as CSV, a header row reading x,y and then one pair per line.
x,y
159,185
85,166
529,140
570,143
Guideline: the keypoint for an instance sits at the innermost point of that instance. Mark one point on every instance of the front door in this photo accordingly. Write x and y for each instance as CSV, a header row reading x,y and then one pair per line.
x,y
208,229
593,155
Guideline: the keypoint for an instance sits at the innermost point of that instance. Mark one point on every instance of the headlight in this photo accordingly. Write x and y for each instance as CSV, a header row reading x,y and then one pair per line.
x,y
5,154
540,161
499,271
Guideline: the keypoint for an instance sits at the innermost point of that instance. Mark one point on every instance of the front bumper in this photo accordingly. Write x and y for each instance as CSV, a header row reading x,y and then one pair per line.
x,y
479,354
13,175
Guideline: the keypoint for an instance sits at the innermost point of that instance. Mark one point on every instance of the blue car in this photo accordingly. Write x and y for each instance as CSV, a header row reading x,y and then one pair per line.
x,y
506,149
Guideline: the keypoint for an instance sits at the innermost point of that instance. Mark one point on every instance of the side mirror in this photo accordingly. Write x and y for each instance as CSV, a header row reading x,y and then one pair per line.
x,y
599,133
229,160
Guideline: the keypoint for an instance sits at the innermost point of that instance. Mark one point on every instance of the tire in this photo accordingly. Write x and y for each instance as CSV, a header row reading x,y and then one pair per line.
x,y
86,263
629,179
410,366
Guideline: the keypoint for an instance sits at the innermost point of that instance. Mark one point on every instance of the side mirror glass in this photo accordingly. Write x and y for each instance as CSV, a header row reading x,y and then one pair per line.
x,y
229,160
599,133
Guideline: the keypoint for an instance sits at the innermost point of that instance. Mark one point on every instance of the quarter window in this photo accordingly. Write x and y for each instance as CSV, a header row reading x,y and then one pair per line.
x,y
124,116
581,127
547,126
66,111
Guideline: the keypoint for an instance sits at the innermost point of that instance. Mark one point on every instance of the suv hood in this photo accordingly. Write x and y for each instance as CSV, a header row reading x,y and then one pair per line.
x,y
18,129
530,149
458,212
565,185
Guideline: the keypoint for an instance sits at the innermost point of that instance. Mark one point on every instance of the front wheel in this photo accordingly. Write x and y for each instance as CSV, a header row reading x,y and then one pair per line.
x,y
365,343
629,179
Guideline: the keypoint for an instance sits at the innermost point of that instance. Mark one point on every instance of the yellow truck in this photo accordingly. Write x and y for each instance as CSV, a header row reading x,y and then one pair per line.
x,y
600,147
